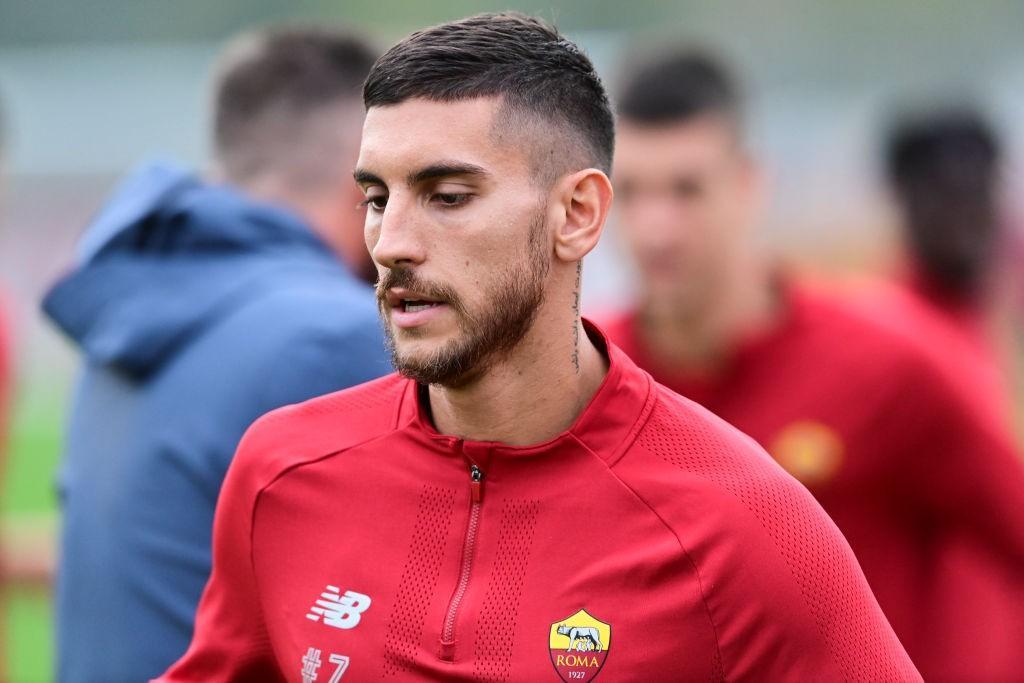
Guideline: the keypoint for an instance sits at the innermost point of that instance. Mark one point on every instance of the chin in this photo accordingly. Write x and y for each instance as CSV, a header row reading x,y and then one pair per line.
x,y
417,347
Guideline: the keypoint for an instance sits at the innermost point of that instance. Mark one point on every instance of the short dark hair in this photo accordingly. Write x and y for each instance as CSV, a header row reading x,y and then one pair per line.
x,y
678,85
522,59
272,81
922,143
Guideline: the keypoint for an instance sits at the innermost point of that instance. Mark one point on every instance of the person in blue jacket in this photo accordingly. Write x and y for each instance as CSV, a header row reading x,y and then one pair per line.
x,y
198,306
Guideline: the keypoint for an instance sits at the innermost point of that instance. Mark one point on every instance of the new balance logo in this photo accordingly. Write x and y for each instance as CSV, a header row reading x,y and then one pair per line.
x,y
337,610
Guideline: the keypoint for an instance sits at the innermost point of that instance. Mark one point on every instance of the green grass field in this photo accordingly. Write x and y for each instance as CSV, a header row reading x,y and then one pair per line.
x,y
28,499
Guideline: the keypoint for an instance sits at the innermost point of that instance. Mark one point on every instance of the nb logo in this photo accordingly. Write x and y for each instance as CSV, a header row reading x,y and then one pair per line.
x,y
337,610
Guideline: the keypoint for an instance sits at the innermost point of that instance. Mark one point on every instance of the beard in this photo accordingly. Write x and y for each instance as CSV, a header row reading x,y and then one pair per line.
x,y
509,308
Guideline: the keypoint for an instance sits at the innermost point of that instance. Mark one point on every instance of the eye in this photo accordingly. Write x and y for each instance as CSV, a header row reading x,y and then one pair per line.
x,y
375,202
687,188
450,199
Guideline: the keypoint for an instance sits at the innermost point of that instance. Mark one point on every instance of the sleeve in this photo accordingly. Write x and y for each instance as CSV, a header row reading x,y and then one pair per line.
x,y
963,468
786,598
789,600
230,641
295,363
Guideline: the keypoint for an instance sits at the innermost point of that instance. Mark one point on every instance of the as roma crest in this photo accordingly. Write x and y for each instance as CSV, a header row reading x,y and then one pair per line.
x,y
579,645
810,451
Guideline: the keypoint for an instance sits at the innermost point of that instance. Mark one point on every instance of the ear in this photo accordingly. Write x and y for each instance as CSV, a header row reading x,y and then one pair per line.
x,y
585,198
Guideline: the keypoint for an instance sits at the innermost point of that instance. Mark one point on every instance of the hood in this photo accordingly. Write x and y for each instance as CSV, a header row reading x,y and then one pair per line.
x,y
165,257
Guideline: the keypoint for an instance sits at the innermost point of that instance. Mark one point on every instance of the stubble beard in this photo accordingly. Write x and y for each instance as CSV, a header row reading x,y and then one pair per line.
x,y
509,310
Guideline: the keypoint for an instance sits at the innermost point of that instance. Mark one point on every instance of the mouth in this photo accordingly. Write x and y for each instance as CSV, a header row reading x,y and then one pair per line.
x,y
414,306
412,309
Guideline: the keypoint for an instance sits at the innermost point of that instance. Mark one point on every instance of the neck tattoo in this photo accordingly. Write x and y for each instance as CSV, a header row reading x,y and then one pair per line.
x,y
576,318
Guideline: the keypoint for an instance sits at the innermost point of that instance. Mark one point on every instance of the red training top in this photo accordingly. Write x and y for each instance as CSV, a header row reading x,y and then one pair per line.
x,y
649,542
958,332
919,473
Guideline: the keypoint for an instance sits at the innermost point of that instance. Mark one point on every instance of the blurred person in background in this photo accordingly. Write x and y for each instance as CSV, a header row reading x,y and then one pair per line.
x,y
943,167
905,460
198,306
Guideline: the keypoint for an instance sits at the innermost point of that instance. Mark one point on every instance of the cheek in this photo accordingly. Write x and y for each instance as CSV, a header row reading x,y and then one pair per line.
x,y
371,233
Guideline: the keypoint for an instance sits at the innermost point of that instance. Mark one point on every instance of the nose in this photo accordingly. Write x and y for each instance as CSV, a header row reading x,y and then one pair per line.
x,y
657,225
395,238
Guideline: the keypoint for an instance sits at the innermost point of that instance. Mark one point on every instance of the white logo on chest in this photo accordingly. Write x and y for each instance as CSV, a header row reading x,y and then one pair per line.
x,y
339,610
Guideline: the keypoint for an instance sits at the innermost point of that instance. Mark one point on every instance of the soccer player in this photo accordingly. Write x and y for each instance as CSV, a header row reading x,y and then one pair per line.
x,y
944,169
521,503
913,469
198,306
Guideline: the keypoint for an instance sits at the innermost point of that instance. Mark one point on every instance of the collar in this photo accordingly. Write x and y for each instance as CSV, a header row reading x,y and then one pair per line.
x,y
606,426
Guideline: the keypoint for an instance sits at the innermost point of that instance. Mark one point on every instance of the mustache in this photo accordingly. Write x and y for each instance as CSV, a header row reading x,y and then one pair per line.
x,y
406,278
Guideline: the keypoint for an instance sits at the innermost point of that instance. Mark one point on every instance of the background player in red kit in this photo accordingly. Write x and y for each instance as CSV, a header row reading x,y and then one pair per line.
x,y
912,469
524,504
944,169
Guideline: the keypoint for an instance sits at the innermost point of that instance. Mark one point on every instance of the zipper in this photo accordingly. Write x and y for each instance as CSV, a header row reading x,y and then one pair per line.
x,y
476,478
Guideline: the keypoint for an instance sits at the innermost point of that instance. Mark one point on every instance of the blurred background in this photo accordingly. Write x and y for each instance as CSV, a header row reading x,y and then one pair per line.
x,y
91,89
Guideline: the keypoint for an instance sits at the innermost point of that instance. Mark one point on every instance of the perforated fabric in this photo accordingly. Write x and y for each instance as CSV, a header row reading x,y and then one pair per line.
x,y
496,629
384,393
831,586
419,579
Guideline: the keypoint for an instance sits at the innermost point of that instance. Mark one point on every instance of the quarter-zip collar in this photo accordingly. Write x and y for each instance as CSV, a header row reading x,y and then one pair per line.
x,y
606,426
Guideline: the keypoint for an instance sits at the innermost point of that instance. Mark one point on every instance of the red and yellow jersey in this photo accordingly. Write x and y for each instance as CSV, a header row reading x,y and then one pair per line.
x,y
649,542
917,469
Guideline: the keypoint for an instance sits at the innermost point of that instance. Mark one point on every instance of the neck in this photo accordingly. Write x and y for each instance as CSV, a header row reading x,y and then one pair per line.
x,y
533,394
319,209
701,339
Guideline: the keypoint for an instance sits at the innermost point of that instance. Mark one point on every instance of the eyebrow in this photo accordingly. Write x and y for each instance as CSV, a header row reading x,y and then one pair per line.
x,y
444,169
439,170
364,177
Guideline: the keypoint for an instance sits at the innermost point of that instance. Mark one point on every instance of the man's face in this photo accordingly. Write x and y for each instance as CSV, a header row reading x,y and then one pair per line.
x,y
457,228
685,196
952,222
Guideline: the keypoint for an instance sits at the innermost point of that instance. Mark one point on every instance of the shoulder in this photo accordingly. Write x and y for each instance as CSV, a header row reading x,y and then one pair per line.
x,y
843,316
326,302
765,550
309,326
706,479
887,343
921,355
683,436
303,432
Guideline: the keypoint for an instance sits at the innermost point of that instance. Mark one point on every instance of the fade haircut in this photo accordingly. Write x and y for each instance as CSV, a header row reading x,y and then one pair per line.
x,y
278,94
679,86
540,76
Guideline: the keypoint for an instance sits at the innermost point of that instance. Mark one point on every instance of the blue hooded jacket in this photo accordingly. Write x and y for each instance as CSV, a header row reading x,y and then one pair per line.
x,y
196,311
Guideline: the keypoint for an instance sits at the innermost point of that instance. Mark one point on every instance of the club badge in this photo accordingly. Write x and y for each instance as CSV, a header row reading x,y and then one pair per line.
x,y
579,645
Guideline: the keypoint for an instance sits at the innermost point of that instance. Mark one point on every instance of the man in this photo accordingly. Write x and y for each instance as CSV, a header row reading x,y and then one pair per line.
x,y
943,167
892,444
522,503
198,307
